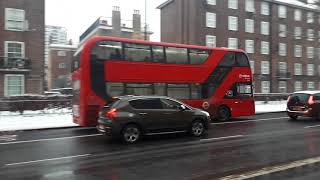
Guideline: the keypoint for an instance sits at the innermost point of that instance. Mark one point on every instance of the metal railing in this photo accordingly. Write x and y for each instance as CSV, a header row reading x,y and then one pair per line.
x,y
14,63
283,75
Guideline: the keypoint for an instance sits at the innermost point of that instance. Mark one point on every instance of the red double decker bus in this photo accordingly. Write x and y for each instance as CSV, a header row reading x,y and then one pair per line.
x,y
217,80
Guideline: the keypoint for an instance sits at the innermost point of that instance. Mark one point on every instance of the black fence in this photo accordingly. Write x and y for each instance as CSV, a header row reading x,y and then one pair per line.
x,y
271,96
33,103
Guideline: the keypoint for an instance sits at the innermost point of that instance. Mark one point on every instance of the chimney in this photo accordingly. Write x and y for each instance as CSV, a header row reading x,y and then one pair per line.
x,y
136,24
116,21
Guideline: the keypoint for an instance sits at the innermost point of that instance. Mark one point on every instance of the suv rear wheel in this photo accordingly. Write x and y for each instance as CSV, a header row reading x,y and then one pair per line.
x,y
293,117
197,128
131,133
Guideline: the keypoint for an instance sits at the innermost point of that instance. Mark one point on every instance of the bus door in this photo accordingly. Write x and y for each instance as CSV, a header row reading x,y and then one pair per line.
x,y
240,99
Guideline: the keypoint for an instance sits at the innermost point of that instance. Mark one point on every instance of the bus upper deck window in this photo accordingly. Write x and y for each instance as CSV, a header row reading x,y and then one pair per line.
x,y
108,50
242,60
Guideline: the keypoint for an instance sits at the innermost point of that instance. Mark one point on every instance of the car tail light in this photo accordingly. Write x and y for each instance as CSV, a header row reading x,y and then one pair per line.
x,y
112,113
311,100
289,97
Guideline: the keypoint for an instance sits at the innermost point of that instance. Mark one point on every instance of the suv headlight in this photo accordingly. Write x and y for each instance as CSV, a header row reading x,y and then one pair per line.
x,y
206,113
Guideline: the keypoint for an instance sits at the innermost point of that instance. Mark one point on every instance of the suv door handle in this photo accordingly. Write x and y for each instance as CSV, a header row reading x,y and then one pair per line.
x,y
143,113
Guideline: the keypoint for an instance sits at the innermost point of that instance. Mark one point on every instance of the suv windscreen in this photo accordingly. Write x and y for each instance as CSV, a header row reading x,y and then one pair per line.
x,y
146,103
299,98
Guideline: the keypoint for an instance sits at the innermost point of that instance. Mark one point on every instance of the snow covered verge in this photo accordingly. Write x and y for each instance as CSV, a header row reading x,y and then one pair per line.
x,y
59,118
41,119
271,106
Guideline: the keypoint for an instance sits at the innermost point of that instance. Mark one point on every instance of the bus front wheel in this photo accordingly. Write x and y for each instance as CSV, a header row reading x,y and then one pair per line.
x,y
223,113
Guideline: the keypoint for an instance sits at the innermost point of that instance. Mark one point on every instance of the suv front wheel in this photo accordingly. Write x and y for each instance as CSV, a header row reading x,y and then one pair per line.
x,y
197,128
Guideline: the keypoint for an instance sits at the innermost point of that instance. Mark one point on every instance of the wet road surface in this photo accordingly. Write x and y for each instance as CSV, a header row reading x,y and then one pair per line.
x,y
242,146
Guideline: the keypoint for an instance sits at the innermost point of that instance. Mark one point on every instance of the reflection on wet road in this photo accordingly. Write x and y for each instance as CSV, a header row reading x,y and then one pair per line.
x,y
231,148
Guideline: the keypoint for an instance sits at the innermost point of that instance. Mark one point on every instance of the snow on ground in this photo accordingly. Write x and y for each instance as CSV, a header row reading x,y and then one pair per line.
x,y
57,118
271,106
42,119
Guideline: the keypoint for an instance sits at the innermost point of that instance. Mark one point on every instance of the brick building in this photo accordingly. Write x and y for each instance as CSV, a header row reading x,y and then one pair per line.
x,y
282,39
21,47
117,27
59,65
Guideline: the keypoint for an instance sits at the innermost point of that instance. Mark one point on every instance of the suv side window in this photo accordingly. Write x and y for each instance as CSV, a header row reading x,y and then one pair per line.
x,y
146,103
168,104
317,97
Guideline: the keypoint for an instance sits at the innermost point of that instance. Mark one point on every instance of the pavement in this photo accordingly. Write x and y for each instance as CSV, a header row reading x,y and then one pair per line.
x,y
264,146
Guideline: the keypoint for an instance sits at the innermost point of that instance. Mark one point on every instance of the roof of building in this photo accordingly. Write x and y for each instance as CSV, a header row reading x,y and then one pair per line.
x,y
296,3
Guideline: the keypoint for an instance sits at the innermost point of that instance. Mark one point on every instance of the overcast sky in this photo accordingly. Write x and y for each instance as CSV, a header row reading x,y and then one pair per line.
x,y
78,15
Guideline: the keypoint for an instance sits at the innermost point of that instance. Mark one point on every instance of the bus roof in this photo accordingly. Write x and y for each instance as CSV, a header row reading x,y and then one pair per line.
x,y
95,39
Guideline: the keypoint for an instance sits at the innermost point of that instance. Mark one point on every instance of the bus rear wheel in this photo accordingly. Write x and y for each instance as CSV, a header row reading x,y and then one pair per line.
x,y
223,113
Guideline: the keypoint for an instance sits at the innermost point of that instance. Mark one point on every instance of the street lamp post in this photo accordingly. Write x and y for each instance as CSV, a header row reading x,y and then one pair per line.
x,y
145,19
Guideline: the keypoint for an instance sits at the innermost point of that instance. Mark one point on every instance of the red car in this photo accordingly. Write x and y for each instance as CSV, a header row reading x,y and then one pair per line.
x,y
304,103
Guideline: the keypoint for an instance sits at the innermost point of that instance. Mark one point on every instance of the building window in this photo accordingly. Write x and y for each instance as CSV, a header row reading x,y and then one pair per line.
x,y
310,85
62,53
297,32
233,23
13,84
211,2
249,25
282,30
282,49
249,46
265,87
282,86
62,65
265,28
14,19
310,17
310,52
252,66
282,67
298,86
264,47
265,8
297,69
265,67
282,11
211,20
310,69
310,34
297,15
14,49
250,5
233,43
211,41
233,4
297,51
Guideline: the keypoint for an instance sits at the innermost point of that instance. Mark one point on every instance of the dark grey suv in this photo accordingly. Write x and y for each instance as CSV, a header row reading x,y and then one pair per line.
x,y
130,117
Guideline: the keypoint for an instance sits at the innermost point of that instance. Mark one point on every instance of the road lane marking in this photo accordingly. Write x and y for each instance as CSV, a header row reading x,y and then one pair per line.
x,y
222,138
233,122
51,139
312,126
51,159
272,169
